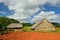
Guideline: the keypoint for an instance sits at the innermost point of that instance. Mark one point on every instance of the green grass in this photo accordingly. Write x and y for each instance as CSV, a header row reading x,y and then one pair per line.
x,y
57,31
28,29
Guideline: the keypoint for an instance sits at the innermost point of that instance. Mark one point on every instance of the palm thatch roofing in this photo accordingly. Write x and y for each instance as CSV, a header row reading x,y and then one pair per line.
x,y
15,25
43,25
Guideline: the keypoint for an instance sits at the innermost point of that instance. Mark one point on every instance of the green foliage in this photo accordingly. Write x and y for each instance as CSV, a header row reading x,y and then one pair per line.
x,y
26,24
4,21
56,24
27,29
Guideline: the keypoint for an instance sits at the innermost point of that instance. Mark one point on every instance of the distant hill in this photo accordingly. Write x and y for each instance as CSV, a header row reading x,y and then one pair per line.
x,y
26,24
56,24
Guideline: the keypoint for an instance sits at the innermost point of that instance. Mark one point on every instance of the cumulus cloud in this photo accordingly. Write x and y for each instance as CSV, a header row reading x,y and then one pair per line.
x,y
51,16
25,8
23,15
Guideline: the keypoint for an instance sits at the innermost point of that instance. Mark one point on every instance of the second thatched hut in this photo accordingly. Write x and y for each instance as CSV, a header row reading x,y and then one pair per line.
x,y
43,25
15,26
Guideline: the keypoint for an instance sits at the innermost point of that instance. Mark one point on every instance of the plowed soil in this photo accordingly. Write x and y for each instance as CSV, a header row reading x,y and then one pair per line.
x,y
30,36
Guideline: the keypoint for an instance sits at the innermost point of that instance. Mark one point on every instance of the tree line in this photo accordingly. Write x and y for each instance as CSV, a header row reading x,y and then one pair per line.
x,y
4,21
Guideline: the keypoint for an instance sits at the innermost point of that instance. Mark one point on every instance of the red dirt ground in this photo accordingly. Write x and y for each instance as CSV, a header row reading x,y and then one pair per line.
x,y
30,36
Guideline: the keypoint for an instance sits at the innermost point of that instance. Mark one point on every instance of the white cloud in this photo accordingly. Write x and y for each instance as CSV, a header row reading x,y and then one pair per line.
x,y
45,15
23,12
25,8
53,17
58,18
1,0
23,15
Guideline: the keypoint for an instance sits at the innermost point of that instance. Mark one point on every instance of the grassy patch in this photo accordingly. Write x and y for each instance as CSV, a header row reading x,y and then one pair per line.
x,y
57,30
27,29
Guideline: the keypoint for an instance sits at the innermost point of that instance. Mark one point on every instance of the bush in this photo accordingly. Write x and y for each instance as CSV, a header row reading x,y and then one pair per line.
x,y
4,21
2,28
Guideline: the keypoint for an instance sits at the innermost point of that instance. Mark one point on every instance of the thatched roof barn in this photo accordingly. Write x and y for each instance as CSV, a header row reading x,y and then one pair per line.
x,y
15,26
43,25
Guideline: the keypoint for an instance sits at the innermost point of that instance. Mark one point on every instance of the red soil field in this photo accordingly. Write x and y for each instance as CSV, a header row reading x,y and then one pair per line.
x,y
30,36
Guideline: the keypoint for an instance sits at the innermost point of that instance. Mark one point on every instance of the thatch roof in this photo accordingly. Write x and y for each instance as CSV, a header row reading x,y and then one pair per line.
x,y
15,25
43,25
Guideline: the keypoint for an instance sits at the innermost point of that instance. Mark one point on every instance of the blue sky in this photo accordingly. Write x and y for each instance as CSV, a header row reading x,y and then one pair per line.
x,y
49,7
26,13
4,10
